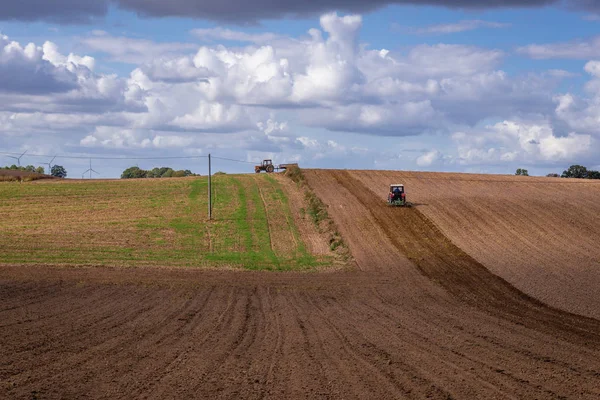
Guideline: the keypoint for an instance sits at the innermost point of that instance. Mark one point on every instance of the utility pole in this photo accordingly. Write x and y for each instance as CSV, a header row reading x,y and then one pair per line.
x,y
209,190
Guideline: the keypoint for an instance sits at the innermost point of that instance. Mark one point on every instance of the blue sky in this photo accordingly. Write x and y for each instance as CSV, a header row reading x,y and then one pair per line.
x,y
407,87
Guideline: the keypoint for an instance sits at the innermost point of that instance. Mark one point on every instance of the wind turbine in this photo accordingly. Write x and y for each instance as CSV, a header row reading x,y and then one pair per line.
x,y
18,158
50,165
90,170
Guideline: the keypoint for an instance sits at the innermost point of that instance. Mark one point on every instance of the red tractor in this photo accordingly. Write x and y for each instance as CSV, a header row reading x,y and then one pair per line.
x,y
266,165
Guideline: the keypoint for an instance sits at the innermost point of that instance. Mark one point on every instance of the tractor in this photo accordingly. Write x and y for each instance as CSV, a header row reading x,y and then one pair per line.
x,y
266,165
397,196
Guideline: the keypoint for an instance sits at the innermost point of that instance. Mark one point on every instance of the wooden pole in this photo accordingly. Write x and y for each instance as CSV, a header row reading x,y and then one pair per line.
x,y
209,190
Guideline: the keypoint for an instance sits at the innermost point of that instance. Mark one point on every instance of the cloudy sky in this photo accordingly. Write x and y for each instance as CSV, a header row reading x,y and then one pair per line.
x,y
457,85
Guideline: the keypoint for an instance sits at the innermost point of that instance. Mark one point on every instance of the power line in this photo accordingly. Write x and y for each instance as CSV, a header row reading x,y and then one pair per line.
x,y
106,158
74,157
231,159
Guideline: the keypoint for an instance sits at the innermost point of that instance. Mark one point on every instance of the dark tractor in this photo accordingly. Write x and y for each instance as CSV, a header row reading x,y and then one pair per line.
x,y
397,196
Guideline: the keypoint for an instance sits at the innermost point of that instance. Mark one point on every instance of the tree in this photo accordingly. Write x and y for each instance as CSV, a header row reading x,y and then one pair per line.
x,y
553,175
575,171
134,173
58,171
522,172
593,174
40,170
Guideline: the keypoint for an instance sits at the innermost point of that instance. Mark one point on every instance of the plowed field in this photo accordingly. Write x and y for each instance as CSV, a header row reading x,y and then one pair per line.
x,y
419,317
540,234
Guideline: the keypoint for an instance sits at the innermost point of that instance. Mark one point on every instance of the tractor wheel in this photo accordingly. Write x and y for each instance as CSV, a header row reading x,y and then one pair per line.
x,y
270,168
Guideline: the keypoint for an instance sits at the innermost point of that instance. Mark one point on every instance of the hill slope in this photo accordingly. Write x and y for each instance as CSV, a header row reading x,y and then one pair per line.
x,y
156,222
540,234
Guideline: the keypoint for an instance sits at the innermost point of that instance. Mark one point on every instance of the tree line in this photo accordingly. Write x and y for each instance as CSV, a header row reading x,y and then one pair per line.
x,y
163,172
574,171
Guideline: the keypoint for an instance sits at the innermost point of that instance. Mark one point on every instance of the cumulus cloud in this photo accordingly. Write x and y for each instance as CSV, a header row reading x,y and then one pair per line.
x,y
522,141
331,81
582,113
40,78
267,96
35,70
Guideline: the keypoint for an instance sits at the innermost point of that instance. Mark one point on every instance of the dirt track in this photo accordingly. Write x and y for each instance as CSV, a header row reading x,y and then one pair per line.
x,y
420,318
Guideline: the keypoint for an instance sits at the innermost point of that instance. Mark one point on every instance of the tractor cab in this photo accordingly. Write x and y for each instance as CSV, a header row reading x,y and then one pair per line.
x,y
397,196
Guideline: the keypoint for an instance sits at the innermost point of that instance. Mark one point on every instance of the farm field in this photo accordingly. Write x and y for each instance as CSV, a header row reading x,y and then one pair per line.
x,y
420,315
153,223
540,234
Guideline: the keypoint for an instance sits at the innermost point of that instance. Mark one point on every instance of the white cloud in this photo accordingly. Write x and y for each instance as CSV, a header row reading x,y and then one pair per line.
x,y
31,69
582,114
117,138
219,33
271,94
577,49
134,51
461,26
528,142
428,158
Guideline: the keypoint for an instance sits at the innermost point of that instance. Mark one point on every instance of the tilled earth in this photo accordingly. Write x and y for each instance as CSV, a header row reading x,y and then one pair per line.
x,y
417,318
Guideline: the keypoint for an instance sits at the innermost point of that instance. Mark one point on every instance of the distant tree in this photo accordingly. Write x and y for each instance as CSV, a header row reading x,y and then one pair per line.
x,y
553,175
593,174
59,171
14,167
522,172
162,172
134,173
40,170
167,174
575,171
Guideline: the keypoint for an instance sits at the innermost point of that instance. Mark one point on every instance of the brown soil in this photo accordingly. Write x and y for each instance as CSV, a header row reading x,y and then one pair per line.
x,y
540,234
11,174
420,318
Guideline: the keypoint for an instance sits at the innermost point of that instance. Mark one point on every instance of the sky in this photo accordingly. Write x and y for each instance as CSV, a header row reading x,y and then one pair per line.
x,y
431,85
